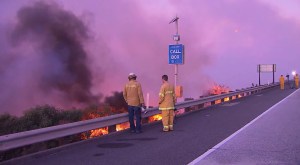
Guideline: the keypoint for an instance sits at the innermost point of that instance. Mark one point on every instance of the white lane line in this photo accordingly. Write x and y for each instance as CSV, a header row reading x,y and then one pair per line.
x,y
197,160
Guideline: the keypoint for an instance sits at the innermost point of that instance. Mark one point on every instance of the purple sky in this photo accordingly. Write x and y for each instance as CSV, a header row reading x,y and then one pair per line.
x,y
224,41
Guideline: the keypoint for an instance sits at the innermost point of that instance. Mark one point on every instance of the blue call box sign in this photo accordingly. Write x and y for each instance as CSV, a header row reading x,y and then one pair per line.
x,y
176,53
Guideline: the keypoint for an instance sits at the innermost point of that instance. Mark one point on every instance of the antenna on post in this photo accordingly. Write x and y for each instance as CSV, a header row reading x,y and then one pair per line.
x,y
176,37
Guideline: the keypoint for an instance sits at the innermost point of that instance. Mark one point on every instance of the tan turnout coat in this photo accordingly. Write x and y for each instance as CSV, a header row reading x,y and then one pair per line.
x,y
167,97
133,93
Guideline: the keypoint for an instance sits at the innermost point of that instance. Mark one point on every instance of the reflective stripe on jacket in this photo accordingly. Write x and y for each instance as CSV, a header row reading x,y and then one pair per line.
x,y
167,97
133,93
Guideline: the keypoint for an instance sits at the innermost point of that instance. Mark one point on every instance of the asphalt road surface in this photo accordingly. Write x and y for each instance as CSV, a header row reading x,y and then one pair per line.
x,y
272,138
194,134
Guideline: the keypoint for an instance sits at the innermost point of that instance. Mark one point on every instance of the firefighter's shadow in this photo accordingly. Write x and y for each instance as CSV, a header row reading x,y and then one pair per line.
x,y
137,139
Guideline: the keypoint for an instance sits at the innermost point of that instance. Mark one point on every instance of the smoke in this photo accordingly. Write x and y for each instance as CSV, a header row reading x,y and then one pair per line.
x,y
137,38
116,101
224,42
49,61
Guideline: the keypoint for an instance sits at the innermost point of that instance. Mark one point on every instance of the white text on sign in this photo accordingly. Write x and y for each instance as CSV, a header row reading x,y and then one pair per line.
x,y
174,57
175,51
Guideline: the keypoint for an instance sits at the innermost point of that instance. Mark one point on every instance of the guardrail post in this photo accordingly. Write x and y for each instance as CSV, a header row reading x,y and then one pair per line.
x,y
212,103
112,128
200,106
145,120
188,108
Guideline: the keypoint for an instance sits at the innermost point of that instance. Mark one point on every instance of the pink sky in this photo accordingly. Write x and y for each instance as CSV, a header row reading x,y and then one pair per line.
x,y
224,41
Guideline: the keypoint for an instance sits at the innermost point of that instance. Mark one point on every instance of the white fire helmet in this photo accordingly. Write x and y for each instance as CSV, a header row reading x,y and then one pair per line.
x,y
131,75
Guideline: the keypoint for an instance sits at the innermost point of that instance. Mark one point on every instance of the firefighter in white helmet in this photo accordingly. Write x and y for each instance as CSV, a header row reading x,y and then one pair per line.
x,y
133,96
167,101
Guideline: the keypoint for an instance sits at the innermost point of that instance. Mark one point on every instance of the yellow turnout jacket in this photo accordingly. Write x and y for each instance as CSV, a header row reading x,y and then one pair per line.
x,y
281,80
296,78
167,97
133,93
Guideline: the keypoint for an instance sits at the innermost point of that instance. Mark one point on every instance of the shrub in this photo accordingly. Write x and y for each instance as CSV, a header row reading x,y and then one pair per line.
x,y
40,117
8,124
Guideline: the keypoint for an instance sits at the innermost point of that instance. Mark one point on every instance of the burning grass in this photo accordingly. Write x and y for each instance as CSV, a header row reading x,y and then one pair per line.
x,y
155,118
122,126
218,89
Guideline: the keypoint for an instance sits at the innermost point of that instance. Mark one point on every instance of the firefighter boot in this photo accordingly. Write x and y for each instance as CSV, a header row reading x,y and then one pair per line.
x,y
166,129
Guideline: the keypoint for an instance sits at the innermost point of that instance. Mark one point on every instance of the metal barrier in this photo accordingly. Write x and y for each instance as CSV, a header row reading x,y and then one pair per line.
x,y
20,139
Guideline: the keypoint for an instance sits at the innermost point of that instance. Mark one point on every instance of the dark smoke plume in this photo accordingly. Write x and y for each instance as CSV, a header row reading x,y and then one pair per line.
x,y
116,100
58,36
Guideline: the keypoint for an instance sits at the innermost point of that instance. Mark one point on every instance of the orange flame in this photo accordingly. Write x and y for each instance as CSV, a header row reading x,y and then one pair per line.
x,y
95,132
226,99
98,132
122,126
218,101
155,118
218,89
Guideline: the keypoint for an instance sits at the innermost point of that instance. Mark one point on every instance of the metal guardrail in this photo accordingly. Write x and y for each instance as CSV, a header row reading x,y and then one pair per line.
x,y
20,139
222,96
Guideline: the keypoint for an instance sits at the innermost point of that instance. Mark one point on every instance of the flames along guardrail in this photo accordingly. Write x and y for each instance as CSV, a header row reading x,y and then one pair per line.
x,y
20,139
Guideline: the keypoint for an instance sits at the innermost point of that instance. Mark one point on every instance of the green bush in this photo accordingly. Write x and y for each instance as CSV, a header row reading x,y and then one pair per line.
x,y
8,124
46,115
37,117
40,117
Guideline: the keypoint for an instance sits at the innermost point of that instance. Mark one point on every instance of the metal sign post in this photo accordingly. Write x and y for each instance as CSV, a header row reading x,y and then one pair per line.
x,y
266,68
176,38
176,56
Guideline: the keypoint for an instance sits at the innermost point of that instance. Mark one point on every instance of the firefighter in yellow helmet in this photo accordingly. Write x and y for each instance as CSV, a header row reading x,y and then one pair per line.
x,y
296,79
167,101
133,96
281,81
